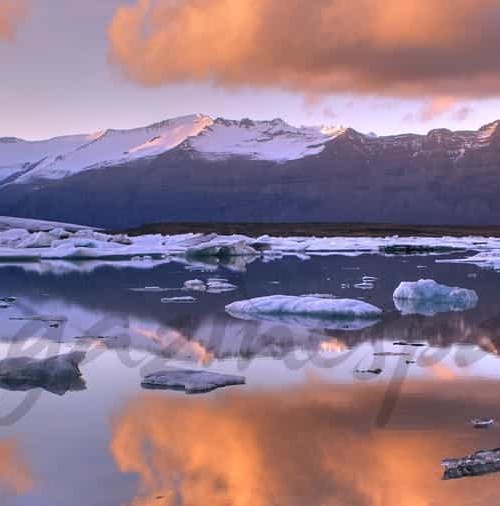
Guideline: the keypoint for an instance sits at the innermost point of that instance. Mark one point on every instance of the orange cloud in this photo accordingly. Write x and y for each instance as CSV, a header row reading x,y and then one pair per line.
x,y
392,47
437,107
315,444
11,13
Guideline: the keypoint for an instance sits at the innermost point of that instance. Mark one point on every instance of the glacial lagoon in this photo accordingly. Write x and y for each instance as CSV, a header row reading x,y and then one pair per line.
x,y
311,425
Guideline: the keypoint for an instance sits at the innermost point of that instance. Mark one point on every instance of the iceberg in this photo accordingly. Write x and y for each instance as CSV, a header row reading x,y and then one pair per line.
x,y
476,464
191,381
57,375
195,285
318,307
426,297
222,248
220,286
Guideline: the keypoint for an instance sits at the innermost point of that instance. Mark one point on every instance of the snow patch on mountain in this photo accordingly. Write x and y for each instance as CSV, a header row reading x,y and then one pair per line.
x,y
273,140
64,156
26,161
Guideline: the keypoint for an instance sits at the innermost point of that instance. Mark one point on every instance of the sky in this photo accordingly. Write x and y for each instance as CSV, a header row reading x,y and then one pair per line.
x,y
387,66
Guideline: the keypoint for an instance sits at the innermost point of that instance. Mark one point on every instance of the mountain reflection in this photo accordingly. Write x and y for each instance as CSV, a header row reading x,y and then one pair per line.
x,y
314,445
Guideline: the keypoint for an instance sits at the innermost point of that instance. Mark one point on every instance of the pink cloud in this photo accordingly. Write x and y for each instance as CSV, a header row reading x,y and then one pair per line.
x,y
383,47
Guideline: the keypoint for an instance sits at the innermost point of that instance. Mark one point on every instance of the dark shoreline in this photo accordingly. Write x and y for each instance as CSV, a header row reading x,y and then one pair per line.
x,y
315,229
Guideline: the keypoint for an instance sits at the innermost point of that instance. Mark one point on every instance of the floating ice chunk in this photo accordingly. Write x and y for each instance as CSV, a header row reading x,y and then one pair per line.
x,y
191,381
40,318
37,240
151,289
427,297
58,374
364,285
305,306
476,464
178,300
196,285
482,423
222,249
217,286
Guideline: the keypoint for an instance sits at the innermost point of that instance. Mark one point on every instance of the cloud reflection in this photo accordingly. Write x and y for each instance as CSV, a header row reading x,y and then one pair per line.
x,y
315,445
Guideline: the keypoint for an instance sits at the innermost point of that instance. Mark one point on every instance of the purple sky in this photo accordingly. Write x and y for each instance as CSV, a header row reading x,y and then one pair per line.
x,y
56,78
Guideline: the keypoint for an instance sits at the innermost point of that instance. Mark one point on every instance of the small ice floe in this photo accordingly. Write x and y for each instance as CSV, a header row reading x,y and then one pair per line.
x,y
482,423
178,300
151,289
191,381
375,372
38,318
475,464
367,283
364,285
195,285
222,248
220,286
6,302
426,297
58,374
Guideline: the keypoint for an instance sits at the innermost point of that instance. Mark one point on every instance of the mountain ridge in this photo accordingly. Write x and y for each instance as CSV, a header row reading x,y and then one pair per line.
x,y
266,171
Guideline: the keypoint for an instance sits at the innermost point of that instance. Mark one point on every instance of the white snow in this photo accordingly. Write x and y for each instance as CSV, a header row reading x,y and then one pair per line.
x,y
261,140
10,223
64,156
23,161
428,297
305,306
38,241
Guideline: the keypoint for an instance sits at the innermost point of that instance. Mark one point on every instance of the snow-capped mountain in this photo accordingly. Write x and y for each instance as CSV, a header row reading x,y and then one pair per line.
x,y
25,161
196,168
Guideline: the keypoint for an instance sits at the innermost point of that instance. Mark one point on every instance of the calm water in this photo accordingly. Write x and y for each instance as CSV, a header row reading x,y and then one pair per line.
x,y
306,429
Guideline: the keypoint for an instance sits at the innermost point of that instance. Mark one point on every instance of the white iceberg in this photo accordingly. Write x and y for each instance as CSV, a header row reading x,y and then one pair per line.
x,y
191,381
195,285
220,286
427,297
223,248
319,307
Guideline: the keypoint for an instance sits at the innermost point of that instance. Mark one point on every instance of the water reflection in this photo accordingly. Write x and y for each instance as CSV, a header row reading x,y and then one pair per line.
x,y
304,430
15,474
316,445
